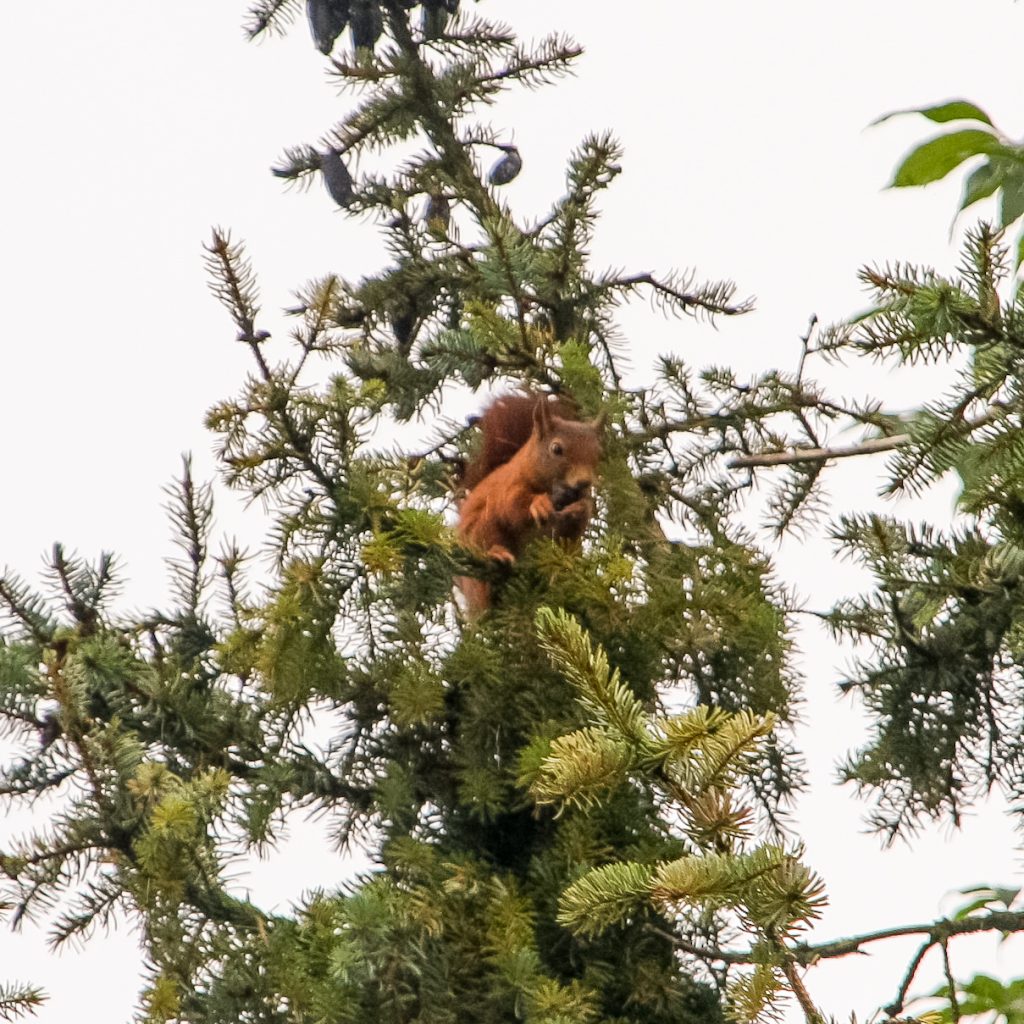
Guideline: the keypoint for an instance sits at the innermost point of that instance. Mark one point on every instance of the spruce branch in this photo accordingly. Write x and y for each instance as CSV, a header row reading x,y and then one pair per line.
x,y
581,766
601,690
603,896
715,877
190,507
796,955
505,247
27,609
18,1001
362,626
750,997
270,16
83,588
674,293
552,59
477,36
234,283
94,907
230,561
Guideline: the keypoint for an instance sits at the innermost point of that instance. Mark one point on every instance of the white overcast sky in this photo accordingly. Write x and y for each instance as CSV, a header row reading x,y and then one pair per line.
x,y
131,128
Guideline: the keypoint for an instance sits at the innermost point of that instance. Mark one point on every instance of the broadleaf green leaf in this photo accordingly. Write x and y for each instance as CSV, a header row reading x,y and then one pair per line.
x,y
987,990
972,907
982,182
935,158
986,896
954,110
1012,205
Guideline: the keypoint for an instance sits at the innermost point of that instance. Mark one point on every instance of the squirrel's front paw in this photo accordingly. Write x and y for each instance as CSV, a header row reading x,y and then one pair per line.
x,y
542,508
580,510
501,554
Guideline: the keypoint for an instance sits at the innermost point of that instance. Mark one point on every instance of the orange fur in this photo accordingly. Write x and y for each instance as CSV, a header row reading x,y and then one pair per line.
x,y
533,477
505,426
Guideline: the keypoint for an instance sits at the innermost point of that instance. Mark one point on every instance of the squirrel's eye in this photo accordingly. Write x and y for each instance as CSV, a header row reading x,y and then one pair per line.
x,y
556,448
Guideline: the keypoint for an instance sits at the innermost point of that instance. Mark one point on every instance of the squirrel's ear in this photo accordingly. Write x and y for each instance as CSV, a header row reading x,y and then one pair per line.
x,y
542,417
599,422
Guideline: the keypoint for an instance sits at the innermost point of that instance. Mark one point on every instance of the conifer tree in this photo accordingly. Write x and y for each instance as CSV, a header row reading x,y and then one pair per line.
x,y
180,738
573,803
941,670
940,674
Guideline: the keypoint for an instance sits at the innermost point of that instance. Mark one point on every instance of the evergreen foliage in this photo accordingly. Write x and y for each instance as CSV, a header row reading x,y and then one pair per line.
x,y
941,671
174,741
573,801
19,1000
938,667
695,761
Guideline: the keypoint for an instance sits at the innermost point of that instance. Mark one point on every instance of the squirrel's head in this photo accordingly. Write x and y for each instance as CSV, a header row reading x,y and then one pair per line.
x,y
565,454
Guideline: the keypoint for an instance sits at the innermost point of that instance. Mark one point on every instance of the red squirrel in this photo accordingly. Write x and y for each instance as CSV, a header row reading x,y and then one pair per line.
x,y
533,477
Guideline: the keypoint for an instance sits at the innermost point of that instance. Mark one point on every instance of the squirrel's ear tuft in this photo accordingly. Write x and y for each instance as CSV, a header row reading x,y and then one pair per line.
x,y
542,417
599,422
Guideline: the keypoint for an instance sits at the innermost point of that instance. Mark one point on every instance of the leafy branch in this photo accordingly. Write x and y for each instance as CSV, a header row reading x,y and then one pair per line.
x,y
1001,171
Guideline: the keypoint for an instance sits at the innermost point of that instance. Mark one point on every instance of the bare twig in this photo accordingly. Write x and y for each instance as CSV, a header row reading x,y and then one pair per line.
x,y
954,1003
807,955
805,347
811,1013
790,958
875,444
896,1006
